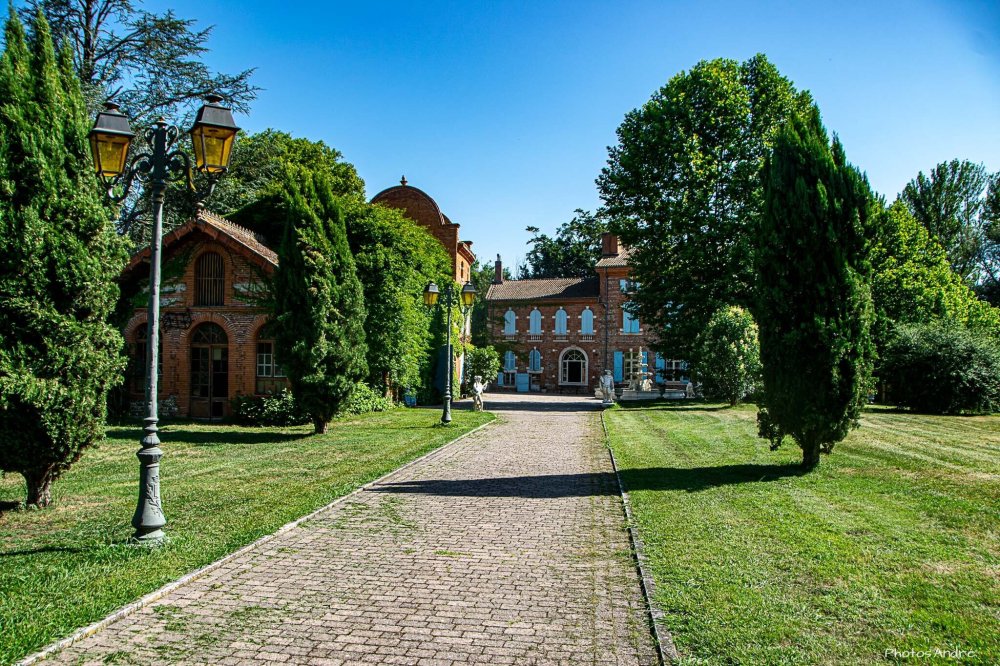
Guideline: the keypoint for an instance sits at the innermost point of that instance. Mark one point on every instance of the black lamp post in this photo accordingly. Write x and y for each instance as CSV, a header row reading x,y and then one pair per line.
x,y
468,297
213,134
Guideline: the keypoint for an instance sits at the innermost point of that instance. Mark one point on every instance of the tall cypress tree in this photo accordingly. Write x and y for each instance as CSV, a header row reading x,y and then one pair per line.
x,y
319,305
59,263
813,301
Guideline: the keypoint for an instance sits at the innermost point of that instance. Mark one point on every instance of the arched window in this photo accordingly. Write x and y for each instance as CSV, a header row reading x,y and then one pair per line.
x,y
560,322
209,371
509,362
509,323
270,374
535,322
535,361
573,368
587,322
209,280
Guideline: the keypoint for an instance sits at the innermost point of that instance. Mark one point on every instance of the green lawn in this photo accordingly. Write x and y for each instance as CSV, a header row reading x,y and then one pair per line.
x,y
223,486
893,544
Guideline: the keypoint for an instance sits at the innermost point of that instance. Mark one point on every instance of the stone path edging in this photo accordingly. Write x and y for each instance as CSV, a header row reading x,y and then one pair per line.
x,y
156,595
665,648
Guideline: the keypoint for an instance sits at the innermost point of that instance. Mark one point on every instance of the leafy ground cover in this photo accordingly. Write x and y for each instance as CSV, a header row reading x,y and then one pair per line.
x,y
888,552
223,486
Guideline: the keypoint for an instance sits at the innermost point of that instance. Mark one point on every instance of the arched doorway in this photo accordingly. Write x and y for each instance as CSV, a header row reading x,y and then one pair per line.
x,y
573,368
209,371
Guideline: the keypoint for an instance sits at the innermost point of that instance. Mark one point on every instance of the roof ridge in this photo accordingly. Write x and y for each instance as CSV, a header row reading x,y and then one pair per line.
x,y
218,219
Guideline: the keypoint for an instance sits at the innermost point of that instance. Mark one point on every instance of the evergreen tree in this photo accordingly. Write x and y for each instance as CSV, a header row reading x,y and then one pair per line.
x,y
813,302
319,306
59,263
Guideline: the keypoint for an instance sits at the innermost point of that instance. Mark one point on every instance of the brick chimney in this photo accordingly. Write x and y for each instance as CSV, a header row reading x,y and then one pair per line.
x,y
609,244
498,275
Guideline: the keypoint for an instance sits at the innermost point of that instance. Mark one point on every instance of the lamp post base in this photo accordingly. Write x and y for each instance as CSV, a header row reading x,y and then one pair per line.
x,y
148,519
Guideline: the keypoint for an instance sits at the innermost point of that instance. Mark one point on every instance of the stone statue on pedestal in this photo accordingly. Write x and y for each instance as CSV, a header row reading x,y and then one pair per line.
x,y
607,388
477,393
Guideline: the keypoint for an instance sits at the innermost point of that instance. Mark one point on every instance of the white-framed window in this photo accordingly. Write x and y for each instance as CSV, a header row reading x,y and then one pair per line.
x,y
632,365
535,322
630,322
535,361
573,367
509,322
270,374
561,322
587,321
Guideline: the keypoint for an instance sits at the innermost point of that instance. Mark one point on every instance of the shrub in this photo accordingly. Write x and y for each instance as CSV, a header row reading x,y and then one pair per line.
x,y
943,369
729,356
279,409
481,361
363,400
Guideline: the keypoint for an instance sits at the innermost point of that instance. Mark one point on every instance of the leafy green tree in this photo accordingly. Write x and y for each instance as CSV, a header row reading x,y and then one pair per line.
x,y
989,287
729,356
395,259
481,362
319,305
573,251
913,283
683,188
257,170
950,202
813,301
59,263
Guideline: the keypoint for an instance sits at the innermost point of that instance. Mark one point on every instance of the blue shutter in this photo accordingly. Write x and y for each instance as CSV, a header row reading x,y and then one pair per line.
x,y
500,379
619,363
661,365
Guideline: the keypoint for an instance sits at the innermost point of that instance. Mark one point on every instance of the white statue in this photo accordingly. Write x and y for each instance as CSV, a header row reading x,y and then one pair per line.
x,y
477,393
607,388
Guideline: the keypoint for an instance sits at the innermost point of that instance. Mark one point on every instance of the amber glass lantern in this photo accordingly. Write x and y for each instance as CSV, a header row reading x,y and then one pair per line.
x,y
109,141
468,295
431,294
213,134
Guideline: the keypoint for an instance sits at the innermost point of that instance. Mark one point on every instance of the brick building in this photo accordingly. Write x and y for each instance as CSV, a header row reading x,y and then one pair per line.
x,y
561,333
422,209
213,333
215,342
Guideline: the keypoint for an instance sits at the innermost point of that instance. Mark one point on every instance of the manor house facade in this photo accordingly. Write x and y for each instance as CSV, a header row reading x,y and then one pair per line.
x,y
560,334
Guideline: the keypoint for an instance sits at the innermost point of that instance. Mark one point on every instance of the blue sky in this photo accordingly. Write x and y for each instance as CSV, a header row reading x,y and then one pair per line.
x,y
503,111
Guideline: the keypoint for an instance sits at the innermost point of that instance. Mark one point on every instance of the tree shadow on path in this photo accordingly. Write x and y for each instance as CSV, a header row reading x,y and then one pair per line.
x,y
689,479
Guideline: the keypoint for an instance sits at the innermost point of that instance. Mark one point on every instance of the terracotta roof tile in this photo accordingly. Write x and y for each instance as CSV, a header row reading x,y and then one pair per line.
x,y
554,288
620,259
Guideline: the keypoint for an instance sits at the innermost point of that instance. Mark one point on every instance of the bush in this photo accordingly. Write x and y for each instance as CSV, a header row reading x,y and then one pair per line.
x,y
943,369
279,409
728,365
483,362
363,400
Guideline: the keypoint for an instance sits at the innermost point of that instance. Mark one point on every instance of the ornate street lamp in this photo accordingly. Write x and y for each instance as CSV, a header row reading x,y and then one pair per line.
x,y
465,301
213,134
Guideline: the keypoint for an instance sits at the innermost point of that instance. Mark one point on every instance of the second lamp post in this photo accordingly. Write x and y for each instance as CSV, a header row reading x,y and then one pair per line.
x,y
468,296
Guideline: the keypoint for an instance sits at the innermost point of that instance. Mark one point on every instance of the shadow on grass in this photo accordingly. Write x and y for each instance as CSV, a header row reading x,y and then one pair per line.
x,y
42,549
214,436
6,506
674,405
691,479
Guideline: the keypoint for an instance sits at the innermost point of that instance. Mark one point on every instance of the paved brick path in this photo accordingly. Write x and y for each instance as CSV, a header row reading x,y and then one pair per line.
x,y
506,548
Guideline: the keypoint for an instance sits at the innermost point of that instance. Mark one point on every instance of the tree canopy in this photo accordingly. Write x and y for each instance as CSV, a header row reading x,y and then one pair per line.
x,y
683,188
149,63
951,202
60,260
572,252
813,302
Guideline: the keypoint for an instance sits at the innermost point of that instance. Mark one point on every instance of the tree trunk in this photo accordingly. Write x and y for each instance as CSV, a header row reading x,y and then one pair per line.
x,y
387,383
810,455
320,424
39,484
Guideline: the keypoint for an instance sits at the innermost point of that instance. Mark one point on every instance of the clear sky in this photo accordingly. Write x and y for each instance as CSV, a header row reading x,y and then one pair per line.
x,y
502,111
